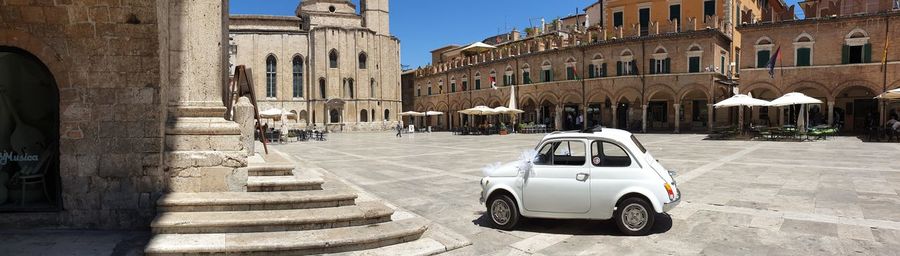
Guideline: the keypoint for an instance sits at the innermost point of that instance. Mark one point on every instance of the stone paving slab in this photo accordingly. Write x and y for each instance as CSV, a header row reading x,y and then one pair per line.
x,y
835,197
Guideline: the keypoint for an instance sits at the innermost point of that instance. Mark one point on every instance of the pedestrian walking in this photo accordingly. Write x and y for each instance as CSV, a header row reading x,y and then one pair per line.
x,y
399,130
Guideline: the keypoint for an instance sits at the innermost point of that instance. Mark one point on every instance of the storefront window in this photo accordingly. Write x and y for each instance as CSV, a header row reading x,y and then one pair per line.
x,y
29,134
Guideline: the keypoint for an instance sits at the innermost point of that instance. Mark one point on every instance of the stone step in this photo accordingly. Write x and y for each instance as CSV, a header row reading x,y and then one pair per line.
x,y
270,170
284,183
244,201
290,242
266,221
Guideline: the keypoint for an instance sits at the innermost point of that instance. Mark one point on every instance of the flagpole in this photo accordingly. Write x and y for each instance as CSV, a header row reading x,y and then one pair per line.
x,y
887,41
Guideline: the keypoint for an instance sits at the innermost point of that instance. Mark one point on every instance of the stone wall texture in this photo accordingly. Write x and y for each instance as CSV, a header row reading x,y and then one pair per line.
x,y
104,55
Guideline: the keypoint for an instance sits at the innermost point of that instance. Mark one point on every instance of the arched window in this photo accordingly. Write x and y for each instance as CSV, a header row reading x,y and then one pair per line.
x,y
625,65
298,76
362,60
373,114
271,77
526,74
546,71
570,69
660,62
477,81
803,47
465,83
373,91
694,55
597,68
335,116
429,88
492,79
322,88
333,59
763,51
857,48
348,88
509,76
453,84
363,116
387,115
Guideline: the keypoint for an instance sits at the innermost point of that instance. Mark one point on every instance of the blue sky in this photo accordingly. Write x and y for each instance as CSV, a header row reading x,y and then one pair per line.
x,y
425,25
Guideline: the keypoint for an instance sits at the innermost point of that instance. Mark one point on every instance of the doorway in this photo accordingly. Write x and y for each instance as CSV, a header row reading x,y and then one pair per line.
x,y
29,134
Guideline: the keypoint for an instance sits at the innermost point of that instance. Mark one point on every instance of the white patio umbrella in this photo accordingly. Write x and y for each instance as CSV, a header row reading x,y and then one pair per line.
x,y
433,113
479,111
890,95
271,113
796,98
412,113
741,100
505,110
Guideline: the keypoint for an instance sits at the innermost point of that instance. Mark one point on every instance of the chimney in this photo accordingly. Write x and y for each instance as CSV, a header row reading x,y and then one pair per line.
x,y
514,35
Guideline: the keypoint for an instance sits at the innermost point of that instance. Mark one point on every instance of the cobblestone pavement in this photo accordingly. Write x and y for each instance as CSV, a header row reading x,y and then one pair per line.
x,y
835,197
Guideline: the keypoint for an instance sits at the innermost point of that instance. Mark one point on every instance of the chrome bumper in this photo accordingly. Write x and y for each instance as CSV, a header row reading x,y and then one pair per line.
x,y
668,206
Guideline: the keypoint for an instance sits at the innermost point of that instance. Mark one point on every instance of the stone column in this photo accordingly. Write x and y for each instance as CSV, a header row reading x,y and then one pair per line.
x,y
740,119
677,119
830,113
584,118
558,119
644,118
203,151
244,116
780,116
615,118
709,117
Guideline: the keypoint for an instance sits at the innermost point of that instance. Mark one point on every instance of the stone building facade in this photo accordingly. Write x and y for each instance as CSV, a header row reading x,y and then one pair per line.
x,y
120,103
641,71
842,61
328,66
682,69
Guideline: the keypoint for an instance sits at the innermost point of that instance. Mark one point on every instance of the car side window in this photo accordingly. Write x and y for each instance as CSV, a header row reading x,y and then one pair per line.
x,y
606,154
569,152
545,154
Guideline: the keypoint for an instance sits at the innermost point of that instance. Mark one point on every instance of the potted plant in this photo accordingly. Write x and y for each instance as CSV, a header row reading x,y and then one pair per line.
x,y
503,130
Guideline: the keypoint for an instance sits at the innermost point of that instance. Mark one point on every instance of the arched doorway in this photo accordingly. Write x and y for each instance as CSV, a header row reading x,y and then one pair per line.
x,y
855,109
29,133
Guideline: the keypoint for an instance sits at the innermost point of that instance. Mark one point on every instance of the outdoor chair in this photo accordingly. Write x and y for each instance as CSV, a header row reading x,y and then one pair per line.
x,y
36,174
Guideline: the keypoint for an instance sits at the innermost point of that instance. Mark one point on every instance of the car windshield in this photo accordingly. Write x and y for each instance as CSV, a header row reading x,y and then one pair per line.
x,y
638,143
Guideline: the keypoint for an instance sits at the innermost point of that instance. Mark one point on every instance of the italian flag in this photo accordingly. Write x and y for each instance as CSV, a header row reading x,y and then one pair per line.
x,y
493,82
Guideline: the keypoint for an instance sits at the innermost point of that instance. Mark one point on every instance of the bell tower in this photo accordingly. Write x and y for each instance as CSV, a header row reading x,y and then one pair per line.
x,y
376,15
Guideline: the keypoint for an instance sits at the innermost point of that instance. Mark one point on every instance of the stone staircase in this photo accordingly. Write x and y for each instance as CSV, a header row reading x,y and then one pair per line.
x,y
285,211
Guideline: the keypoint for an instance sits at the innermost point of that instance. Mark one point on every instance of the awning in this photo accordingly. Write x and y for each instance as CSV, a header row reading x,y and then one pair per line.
x,y
741,100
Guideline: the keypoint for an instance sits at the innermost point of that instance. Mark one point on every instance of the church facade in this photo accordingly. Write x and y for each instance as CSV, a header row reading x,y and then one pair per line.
x,y
329,67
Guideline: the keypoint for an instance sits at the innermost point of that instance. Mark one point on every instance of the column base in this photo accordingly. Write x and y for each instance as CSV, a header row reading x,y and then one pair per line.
x,y
203,151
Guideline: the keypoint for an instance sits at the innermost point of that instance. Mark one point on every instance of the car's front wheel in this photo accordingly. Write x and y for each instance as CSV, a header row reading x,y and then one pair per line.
x,y
635,216
503,211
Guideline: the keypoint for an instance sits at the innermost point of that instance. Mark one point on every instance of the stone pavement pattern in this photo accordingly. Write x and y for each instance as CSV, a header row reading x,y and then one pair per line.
x,y
835,197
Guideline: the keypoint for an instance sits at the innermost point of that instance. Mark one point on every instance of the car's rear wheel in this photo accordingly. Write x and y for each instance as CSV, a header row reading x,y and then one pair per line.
x,y
503,211
634,216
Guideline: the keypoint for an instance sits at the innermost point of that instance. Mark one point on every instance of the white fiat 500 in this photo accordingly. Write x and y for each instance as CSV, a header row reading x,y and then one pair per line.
x,y
598,174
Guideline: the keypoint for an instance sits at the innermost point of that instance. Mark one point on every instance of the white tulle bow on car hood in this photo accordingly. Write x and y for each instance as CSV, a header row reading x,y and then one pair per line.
x,y
520,168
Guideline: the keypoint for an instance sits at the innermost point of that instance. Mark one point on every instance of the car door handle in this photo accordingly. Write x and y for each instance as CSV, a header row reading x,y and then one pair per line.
x,y
582,176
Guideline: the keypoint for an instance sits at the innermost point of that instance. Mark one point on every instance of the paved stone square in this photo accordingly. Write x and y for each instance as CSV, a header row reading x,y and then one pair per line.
x,y
835,197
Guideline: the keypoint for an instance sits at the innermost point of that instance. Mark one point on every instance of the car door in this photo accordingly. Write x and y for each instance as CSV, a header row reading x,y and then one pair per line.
x,y
559,182
613,170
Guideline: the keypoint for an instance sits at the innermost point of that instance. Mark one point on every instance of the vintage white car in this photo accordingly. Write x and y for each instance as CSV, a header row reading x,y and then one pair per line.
x,y
597,174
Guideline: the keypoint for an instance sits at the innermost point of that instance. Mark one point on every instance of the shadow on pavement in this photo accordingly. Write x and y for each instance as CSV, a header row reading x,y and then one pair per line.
x,y
662,224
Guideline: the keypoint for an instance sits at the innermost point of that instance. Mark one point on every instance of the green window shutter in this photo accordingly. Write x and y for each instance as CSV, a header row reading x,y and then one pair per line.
x,y
694,64
652,66
591,73
603,70
618,68
845,54
867,53
803,57
762,59
570,73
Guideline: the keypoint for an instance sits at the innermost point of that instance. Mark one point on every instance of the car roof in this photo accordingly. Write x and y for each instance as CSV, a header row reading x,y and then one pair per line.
x,y
609,133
